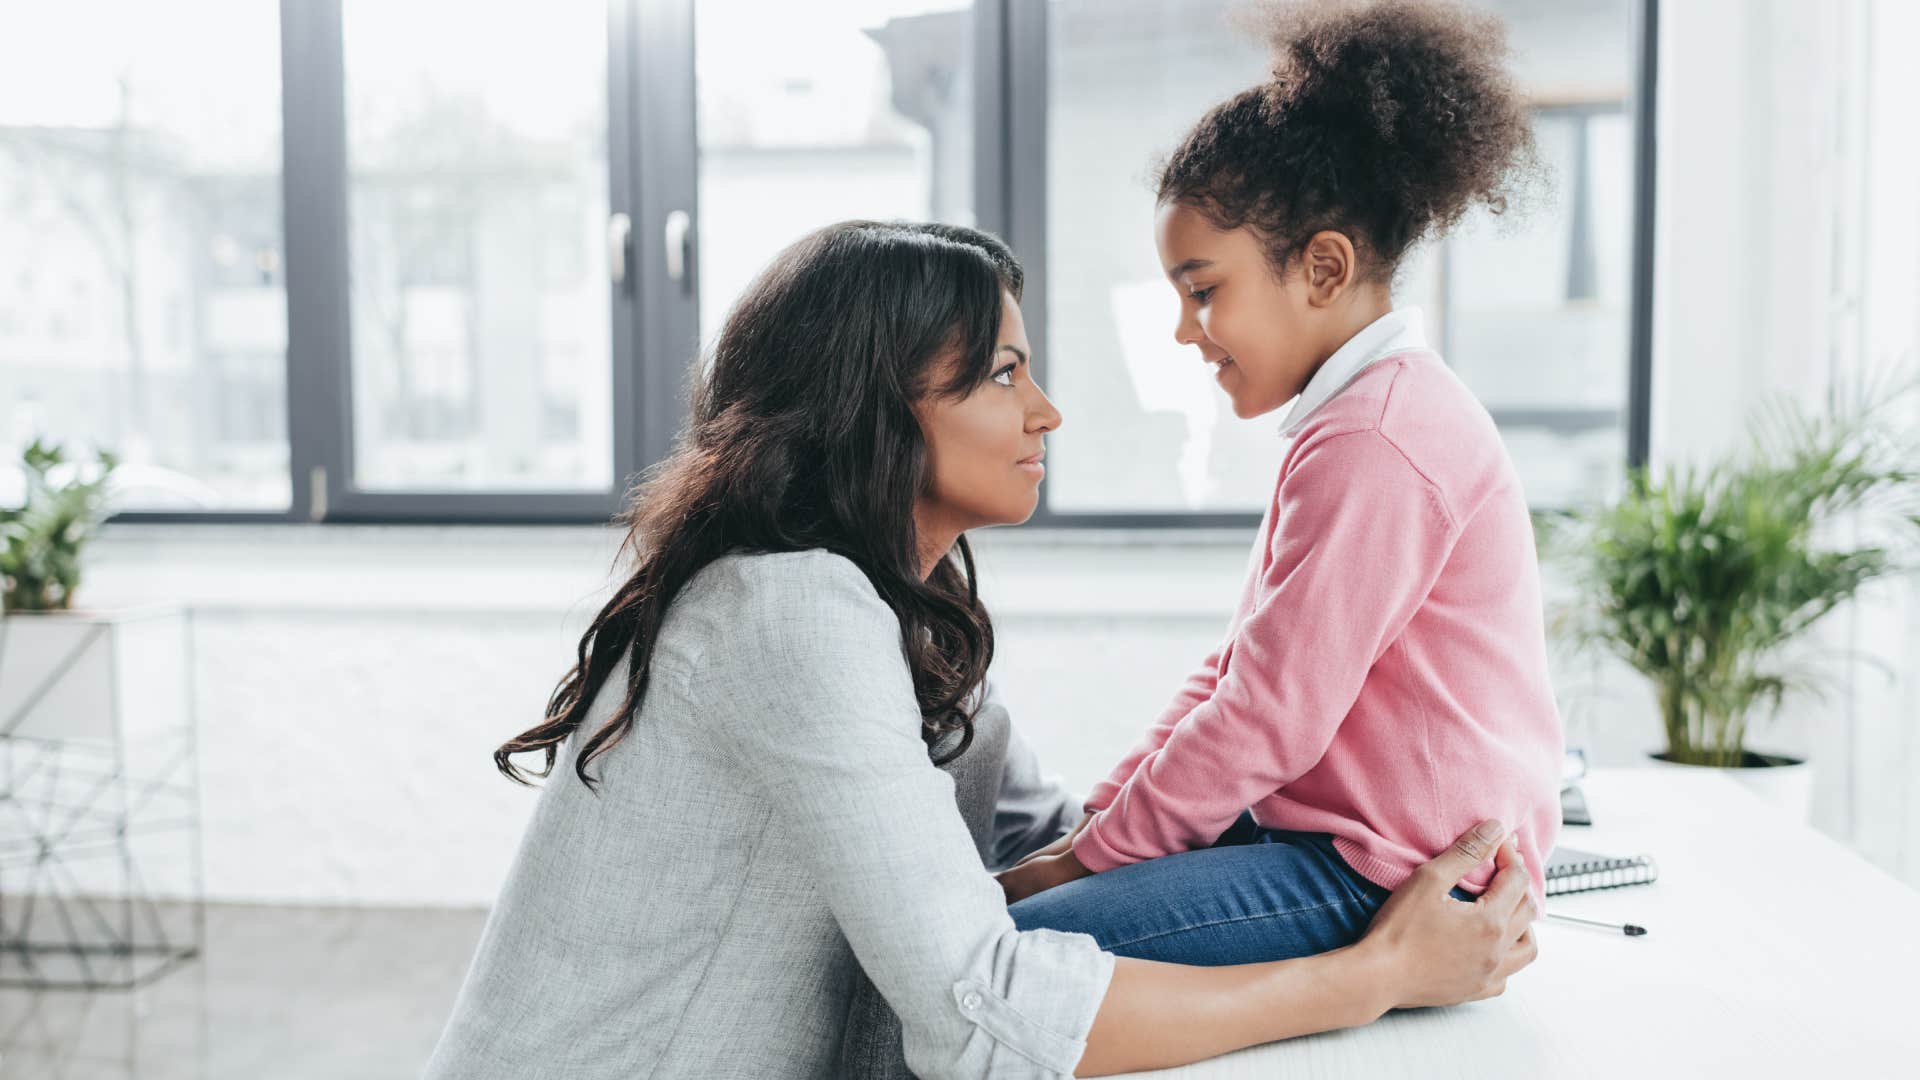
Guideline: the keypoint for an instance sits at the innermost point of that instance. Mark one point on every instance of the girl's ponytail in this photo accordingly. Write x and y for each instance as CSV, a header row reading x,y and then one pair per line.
x,y
1386,121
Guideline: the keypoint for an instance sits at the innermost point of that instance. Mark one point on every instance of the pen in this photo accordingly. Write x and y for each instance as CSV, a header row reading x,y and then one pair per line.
x,y
1626,928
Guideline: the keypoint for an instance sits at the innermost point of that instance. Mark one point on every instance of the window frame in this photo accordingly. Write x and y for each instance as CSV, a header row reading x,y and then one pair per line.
x,y
654,331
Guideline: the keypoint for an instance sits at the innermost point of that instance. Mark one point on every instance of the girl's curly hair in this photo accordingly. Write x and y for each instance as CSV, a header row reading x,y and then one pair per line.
x,y
1385,120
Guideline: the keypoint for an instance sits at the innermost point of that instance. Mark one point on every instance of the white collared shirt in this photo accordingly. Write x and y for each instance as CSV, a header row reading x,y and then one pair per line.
x,y
1396,331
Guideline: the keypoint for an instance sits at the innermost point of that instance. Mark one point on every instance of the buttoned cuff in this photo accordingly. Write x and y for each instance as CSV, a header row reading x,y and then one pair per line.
x,y
1040,1004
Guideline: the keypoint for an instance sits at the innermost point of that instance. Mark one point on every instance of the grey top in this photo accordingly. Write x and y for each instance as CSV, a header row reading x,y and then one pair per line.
x,y
770,826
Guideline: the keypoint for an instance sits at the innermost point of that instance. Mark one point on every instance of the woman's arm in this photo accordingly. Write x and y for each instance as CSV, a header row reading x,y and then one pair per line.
x,y
1424,948
804,687
1034,808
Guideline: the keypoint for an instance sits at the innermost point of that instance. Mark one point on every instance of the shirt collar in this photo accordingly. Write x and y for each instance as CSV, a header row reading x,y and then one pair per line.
x,y
1396,331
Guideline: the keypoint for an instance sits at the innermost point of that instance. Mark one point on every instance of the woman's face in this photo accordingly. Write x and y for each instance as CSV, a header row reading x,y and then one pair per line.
x,y
984,450
1262,336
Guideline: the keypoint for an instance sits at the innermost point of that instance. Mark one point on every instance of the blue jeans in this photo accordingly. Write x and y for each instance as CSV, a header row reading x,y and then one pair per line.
x,y
1256,894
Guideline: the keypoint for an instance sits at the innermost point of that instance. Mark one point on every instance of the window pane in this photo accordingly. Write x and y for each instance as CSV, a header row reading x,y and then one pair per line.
x,y
1536,314
477,202
1148,431
823,113
1145,427
142,304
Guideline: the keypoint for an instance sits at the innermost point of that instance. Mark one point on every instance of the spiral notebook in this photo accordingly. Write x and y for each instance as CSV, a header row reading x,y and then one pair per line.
x,y
1570,870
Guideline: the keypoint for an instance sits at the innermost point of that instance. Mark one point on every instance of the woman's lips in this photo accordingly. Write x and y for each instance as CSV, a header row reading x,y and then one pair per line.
x,y
1220,366
1033,464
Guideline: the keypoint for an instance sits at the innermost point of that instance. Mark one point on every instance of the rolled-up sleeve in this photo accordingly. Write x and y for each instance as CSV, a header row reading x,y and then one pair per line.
x,y
818,708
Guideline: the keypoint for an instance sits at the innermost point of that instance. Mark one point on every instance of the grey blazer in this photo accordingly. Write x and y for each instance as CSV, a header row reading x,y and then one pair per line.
x,y
770,827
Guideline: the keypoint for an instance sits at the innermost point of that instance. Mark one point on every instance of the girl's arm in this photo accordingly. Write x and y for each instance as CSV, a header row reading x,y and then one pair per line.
x,y
1359,538
1198,688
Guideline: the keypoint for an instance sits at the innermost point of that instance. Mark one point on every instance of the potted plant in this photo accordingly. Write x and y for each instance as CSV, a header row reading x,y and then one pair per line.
x,y
96,715
40,541
1706,580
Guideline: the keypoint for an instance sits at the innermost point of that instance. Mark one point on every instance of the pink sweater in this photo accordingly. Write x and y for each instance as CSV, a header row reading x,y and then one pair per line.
x,y
1384,678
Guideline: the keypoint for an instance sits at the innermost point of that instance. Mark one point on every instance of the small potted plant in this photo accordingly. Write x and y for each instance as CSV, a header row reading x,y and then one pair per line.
x,y
1706,580
96,708
41,540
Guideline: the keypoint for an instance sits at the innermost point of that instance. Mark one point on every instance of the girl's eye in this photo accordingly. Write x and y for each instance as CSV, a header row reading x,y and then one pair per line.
x,y
1200,296
1004,376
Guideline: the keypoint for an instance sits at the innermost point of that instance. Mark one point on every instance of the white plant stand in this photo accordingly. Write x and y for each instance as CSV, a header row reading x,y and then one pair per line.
x,y
99,799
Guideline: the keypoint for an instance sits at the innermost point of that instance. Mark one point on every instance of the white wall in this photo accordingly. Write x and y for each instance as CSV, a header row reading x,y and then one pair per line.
x,y
1741,264
354,681
1788,262
1870,762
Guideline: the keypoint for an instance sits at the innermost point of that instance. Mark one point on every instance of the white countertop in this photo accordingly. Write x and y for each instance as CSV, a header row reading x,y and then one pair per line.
x,y
1770,951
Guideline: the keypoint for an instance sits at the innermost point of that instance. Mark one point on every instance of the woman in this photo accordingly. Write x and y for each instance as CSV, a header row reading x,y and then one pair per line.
x,y
757,717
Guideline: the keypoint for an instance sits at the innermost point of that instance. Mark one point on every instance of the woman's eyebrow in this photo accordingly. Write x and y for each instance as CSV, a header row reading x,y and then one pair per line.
x,y
1177,272
1017,351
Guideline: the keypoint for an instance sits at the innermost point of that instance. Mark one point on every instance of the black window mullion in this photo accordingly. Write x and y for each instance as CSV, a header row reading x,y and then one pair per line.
x,y
1640,309
664,167
623,38
314,210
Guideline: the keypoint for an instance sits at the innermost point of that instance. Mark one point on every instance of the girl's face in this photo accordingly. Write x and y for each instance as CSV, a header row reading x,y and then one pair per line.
x,y
1265,338
984,450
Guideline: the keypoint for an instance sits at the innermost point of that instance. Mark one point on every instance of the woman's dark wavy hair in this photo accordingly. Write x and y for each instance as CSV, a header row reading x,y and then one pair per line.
x,y
1385,120
803,436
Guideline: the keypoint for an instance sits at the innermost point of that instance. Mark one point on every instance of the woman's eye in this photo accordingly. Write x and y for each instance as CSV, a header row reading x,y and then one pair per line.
x,y
1200,295
1004,376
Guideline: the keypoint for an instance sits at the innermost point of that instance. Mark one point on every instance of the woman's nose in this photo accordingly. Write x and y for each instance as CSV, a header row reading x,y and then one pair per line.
x,y
1043,416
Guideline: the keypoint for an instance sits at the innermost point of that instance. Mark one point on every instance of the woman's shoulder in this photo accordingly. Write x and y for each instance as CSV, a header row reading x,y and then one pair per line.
x,y
768,579
749,602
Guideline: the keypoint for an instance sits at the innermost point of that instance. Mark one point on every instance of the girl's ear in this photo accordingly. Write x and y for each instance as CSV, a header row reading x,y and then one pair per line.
x,y
1329,265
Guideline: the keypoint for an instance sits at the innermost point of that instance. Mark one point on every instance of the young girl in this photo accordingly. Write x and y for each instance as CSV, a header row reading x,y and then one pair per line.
x,y
1384,678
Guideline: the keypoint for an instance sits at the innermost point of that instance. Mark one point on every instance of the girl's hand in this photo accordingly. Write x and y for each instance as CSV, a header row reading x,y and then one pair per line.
x,y
1063,844
1040,873
1436,950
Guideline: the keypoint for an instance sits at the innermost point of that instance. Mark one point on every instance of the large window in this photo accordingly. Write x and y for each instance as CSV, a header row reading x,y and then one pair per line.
x,y
425,260
477,196
824,113
1146,430
142,281
1534,314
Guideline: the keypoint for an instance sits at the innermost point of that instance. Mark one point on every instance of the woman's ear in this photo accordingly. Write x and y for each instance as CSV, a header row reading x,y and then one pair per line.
x,y
1329,264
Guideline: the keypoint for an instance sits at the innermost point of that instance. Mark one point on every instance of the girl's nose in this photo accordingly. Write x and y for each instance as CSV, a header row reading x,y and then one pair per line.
x,y
1187,330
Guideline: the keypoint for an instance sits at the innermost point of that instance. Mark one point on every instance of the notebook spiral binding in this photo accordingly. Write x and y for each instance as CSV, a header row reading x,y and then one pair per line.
x,y
1602,873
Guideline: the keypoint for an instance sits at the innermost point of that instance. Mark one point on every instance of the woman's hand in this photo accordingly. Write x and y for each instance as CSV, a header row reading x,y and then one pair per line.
x,y
1038,873
1437,950
1065,843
